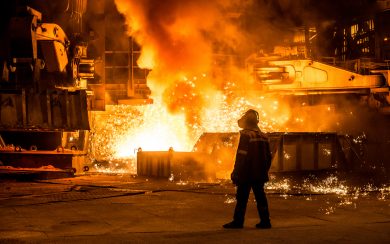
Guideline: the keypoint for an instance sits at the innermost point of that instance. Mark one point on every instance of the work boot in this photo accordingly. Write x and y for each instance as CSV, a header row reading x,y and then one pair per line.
x,y
264,225
233,225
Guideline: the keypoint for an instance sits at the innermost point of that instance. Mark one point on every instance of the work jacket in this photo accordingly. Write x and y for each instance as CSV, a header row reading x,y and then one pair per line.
x,y
253,157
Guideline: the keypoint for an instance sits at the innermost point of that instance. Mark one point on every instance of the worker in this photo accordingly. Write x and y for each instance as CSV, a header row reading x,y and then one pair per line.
x,y
253,160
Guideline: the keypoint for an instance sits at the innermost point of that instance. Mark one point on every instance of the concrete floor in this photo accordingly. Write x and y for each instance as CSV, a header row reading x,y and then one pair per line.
x,y
123,209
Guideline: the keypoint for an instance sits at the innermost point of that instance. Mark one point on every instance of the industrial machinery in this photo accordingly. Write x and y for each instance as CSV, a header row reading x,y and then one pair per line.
x,y
59,61
348,58
43,94
45,76
54,73
306,77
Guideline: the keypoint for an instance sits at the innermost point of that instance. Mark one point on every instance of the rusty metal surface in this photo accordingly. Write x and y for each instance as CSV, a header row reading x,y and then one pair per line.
x,y
181,165
215,152
50,110
68,160
306,152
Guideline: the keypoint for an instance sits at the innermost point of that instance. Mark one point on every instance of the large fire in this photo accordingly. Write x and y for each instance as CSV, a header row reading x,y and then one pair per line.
x,y
192,91
120,131
190,95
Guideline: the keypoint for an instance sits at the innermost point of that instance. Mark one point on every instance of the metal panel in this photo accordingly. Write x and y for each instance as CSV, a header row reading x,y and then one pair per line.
x,y
51,110
153,164
192,166
180,165
291,152
289,157
74,161
10,110
308,156
307,151
325,155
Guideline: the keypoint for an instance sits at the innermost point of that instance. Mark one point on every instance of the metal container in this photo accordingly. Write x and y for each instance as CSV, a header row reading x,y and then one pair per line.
x,y
214,154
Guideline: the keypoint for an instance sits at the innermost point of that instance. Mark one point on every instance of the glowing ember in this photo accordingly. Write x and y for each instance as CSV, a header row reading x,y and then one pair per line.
x,y
229,199
171,177
192,92
182,183
282,186
329,185
119,132
342,195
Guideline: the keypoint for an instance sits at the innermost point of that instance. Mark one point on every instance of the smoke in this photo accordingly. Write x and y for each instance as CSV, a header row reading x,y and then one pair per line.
x,y
302,12
181,36
171,33
182,43
179,40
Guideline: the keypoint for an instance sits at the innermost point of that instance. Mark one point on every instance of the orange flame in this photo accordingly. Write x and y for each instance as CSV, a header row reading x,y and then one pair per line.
x,y
192,93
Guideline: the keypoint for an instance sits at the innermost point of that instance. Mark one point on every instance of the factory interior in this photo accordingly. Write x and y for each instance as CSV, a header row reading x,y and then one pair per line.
x,y
119,119
155,88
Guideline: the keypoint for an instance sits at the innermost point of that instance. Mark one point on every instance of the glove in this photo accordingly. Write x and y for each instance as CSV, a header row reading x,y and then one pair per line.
x,y
234,177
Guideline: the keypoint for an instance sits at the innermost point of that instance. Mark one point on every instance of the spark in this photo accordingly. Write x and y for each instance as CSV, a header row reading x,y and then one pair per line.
x,y
229,199
182,183
346,195
327,152
283,185
286,155
360,139
171,177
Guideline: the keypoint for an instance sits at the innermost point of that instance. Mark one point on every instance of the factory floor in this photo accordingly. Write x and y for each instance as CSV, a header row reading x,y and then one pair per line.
x,y
99,208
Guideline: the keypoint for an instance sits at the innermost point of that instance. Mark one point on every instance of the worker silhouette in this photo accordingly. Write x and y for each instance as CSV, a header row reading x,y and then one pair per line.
x,y
253,160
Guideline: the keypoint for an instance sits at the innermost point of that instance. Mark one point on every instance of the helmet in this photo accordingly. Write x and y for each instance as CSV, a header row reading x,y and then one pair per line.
x,y
250,119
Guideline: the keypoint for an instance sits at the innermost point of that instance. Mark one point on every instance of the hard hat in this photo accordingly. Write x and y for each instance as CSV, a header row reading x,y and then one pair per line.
x,y
250,119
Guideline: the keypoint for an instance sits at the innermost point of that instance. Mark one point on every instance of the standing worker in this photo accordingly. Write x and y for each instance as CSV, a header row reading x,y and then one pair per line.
x,y
253,160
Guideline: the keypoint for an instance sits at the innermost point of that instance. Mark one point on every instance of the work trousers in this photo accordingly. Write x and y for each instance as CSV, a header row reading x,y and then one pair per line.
x,y
242,196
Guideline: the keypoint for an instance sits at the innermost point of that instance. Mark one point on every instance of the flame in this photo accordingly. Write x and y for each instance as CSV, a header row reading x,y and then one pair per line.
x,y
147,58
121,130
146,127
192,93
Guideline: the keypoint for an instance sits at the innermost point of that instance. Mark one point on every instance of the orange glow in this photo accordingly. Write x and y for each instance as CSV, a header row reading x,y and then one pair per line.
x,y
192,94
147,58
118,132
